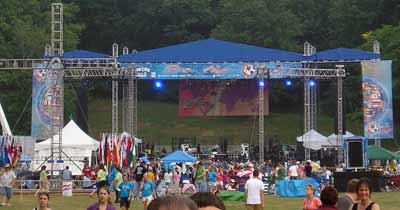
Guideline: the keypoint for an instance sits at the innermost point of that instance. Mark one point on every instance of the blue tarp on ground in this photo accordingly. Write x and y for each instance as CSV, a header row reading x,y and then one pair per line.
x,y
343,54
294,188
83,54
178,156
210,50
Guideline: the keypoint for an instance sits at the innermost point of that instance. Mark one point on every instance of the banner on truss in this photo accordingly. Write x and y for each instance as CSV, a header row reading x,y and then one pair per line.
x,y
43,101
203,70
377,99
220,98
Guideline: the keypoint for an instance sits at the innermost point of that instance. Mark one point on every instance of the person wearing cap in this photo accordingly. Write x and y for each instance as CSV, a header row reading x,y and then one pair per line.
x,y
7,181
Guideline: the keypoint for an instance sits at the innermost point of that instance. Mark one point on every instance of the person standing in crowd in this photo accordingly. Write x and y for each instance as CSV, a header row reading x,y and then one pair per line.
x,y
168,178
347,201
308,169
7,181
281,172
67,174
220,179
212,179
117,181
43,181
311,202
126,188
293,171
148,191
138,173
207,201
43,201
104,202
200,176
87,170
364,190
101,179
254,192
329,197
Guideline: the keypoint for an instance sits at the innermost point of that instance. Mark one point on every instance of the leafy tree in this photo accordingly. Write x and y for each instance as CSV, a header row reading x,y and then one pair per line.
x,y
260,22
24,31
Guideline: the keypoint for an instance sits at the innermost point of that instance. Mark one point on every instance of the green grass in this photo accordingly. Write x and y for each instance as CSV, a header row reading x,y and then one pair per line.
x,y
387,201
159,123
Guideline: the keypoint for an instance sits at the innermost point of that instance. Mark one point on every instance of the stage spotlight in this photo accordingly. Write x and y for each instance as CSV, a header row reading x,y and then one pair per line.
x,y
158,84
311,83
288,83
261,83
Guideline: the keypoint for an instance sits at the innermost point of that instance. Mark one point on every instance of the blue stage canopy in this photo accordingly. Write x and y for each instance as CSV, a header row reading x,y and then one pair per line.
x,y
211,50
343,54
178,157
83,54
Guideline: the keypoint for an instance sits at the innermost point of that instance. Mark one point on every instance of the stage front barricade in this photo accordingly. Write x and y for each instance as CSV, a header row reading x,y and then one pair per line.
x,y
375,177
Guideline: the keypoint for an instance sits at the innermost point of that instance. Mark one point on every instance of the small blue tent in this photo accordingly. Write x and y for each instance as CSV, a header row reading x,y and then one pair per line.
x,y
178,156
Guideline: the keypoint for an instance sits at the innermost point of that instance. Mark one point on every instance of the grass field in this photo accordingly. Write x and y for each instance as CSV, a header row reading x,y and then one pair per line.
x,y
387,201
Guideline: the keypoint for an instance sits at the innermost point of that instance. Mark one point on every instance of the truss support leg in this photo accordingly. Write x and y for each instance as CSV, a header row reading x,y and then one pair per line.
x,y
340,143
114,106
261,119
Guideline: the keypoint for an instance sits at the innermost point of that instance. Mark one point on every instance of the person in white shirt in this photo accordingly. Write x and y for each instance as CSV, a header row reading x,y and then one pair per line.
x,y
7,181
293,172
254,192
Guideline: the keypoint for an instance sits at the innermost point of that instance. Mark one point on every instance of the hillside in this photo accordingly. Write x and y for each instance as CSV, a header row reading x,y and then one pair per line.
x,y
159,124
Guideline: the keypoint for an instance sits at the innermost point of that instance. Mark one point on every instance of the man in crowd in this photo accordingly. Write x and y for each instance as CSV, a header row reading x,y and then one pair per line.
x,y
254,192
67,174
7,181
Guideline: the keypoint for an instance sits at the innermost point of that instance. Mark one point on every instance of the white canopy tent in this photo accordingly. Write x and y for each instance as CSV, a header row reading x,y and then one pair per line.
x,y
313,140
76,144
332,138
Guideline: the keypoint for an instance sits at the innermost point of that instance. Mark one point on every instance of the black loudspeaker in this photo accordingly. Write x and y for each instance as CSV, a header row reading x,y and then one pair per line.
x,y
355,154
342,178
300,153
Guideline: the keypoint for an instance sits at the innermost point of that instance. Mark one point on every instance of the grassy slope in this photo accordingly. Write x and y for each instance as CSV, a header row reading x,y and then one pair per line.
x,y
159,123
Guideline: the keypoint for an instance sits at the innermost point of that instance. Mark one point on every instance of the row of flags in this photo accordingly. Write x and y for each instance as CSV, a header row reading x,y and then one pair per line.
x,y
10,151
117,149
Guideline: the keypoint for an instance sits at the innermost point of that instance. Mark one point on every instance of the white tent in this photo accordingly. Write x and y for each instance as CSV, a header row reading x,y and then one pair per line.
x,y
313,140
75,143
332,138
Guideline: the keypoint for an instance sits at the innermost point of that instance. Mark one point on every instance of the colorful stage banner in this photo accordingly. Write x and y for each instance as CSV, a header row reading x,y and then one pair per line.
x,y
42,93
377,95
203,70
220,98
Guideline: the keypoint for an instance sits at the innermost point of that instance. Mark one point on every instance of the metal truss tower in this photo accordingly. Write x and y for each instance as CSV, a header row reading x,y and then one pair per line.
x,y
57,28
261,84
310,101
340,75
114,94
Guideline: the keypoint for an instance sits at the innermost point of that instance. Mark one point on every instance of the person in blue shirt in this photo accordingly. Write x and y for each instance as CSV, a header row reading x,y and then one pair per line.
x,y
148,191
212,179
126,188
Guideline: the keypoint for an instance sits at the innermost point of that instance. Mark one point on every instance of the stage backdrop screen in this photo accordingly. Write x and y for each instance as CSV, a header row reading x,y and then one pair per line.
x,y
377,98
220,98
42,113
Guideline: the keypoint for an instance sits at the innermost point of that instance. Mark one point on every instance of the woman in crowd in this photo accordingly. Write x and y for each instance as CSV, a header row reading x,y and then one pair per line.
x,y
101,180
43,201
364,191
104,200
311,202
347,201
329,197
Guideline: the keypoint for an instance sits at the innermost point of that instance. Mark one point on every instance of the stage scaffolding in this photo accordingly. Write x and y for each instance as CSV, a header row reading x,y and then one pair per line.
x,y
81,68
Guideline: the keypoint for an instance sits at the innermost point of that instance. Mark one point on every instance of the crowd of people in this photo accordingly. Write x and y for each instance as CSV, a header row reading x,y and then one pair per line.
x,y
159,185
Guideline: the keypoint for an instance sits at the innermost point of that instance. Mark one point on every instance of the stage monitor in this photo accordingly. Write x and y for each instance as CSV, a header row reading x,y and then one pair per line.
x,y
356,153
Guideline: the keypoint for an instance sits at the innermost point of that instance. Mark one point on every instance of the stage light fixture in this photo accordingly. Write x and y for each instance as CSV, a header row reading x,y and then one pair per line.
x,y
288,83
261,83
158,84
311,83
